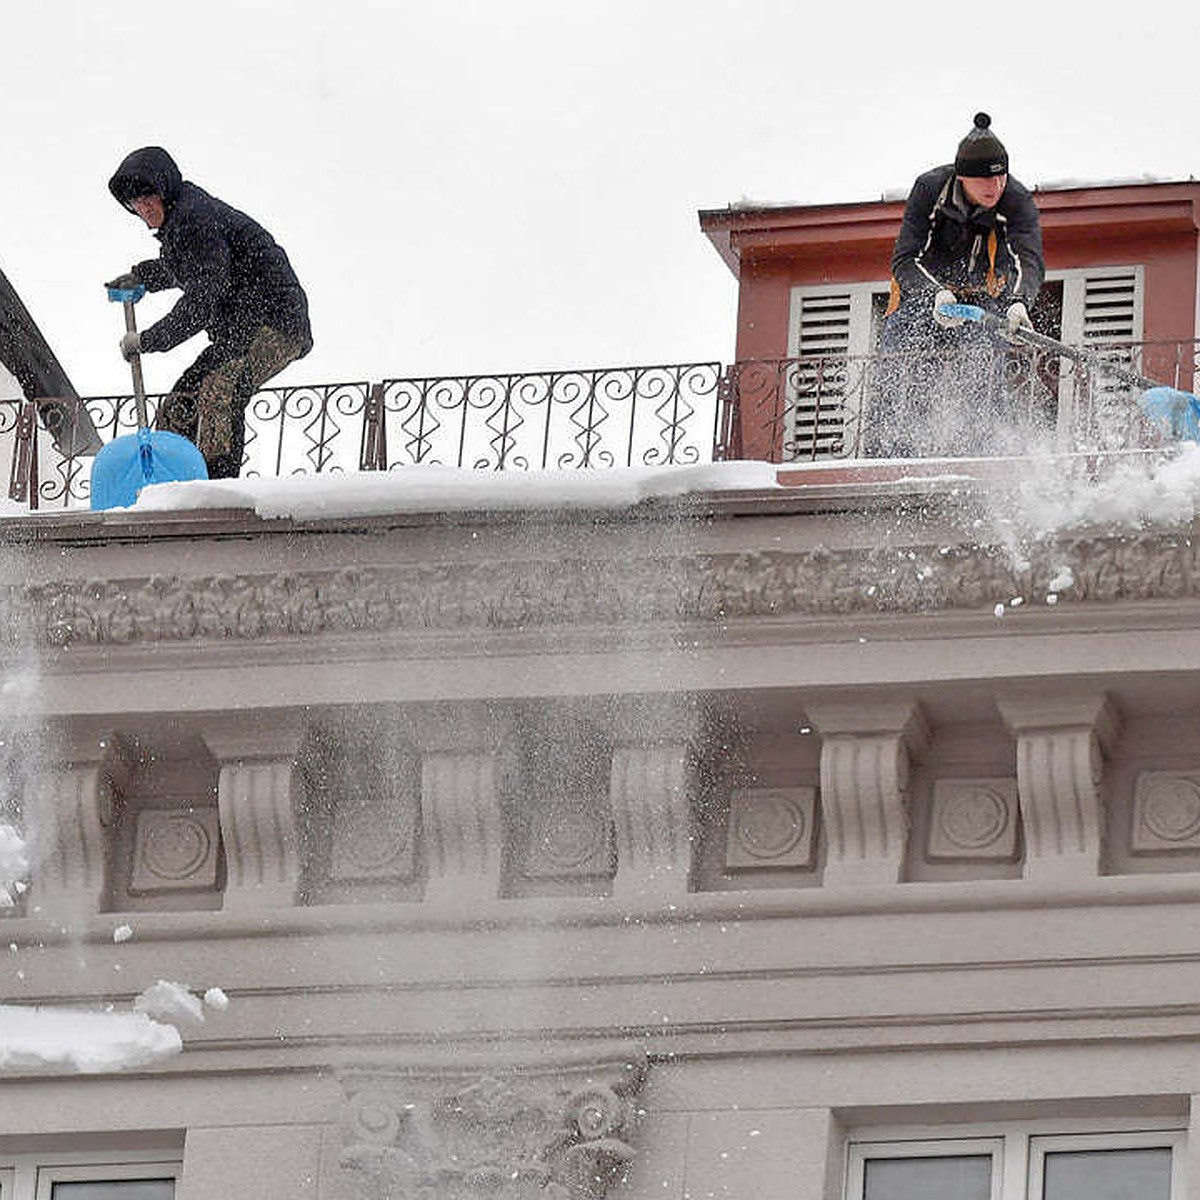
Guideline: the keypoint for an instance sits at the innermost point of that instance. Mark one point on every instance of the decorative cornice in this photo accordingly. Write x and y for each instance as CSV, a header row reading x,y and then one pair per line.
x,y
522,594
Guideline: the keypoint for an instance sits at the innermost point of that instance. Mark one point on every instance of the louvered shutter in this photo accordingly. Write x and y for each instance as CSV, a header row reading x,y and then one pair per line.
x,y
1111,312
830,329
1101,312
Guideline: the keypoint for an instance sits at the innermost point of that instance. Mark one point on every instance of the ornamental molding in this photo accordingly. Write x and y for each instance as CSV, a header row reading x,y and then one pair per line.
x,y
515,595
492,1135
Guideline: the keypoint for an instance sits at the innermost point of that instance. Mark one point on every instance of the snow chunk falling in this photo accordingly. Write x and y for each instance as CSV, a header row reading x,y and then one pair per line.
x,y
14,864
216,999
1133,492
1064,578
169,1001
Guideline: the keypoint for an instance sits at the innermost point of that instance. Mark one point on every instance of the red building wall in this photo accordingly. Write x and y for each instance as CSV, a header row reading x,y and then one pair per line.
x,y
771,250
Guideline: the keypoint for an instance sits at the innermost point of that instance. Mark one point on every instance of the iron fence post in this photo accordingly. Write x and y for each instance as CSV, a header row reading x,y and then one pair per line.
x,y
23,483
373,453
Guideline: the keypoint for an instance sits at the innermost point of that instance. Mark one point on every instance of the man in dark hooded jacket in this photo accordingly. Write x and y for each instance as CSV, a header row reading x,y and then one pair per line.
x,y
238,287
971,234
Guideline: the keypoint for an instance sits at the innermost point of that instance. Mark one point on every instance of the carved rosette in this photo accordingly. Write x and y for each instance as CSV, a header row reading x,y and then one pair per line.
x,y
974,819
500,1136
175,850
771,827
569,840
1166,811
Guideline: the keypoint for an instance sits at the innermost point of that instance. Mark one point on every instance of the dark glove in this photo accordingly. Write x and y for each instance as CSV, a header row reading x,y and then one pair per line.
x,y
131,346
123,283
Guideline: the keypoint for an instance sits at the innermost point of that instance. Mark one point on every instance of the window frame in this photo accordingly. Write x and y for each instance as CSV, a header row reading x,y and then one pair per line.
x,y
1040,1146
1022,1147
945,1147
31,1176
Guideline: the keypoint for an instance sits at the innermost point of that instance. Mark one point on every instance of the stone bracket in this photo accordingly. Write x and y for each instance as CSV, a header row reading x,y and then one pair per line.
x,y
1062,739
866,753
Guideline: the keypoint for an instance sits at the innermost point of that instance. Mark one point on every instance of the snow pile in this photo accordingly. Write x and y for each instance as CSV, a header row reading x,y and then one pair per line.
x,y
34,1039
37,1039
450,489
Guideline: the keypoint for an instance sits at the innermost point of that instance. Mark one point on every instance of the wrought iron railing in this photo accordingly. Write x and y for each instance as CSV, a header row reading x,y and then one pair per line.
x,y
778,410
587,418
831,406
612,416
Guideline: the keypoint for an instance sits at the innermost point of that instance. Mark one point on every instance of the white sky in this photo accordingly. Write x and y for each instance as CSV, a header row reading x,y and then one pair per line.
x,y
506,185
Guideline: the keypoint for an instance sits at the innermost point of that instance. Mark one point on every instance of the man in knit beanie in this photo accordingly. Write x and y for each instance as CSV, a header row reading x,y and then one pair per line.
x,y
970,234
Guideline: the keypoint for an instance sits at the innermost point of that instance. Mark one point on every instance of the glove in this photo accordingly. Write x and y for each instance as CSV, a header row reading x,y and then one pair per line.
x,y
131,346
1017,317
945,296
123,283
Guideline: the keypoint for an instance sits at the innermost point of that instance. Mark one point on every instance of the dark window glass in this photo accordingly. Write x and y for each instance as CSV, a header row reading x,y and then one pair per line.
x,y
117,1189
1140,1174
961,1177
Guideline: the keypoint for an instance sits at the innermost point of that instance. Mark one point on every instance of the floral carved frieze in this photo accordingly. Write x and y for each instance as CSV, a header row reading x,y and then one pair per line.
x,y
515,594
509,1135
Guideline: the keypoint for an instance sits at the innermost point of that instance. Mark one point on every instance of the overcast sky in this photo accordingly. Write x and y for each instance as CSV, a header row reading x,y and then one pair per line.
x,y
475,185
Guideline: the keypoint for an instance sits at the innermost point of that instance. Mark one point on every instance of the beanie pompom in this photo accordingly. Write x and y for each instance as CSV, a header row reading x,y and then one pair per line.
x,y
981,153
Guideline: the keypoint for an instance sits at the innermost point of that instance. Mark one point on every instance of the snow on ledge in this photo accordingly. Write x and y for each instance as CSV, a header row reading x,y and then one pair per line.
x,y
450,489
37,1039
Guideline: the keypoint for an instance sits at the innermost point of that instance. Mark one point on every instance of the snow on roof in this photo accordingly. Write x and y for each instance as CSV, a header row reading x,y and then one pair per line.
x,y
747,204
453,489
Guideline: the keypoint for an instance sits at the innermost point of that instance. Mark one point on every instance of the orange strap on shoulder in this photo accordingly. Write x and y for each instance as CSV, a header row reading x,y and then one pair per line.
x,y
893,298
993,282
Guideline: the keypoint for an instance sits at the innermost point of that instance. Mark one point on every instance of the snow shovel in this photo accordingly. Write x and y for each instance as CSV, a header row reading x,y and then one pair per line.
x,y
127,464
1173,412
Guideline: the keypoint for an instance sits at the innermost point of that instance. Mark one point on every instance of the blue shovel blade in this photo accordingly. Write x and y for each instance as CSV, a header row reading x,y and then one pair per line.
x,y
1175,413
120,295
127,464
967,312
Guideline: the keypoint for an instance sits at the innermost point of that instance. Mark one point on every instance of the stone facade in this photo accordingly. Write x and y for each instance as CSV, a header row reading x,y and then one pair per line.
x,y
669,851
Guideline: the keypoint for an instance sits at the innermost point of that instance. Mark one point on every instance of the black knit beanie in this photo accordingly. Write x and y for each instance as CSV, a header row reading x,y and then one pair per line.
x,y
980,153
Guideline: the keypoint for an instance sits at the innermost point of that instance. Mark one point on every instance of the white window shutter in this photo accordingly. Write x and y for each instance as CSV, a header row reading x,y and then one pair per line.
x,y
1102,311
1102,306
830,336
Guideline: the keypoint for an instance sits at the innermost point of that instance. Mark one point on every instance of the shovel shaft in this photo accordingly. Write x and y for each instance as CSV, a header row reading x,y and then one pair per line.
x,y
995,324
1095,361
135,365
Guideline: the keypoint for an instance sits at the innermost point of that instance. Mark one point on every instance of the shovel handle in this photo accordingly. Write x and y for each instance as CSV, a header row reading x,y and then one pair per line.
x,y
990,321
135,365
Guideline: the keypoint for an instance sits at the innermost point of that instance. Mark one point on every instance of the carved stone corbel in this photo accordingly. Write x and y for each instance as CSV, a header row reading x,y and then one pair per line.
x,y
76,807
651,810
461,811
463,833
257,798
866,752
546,1134
1061,743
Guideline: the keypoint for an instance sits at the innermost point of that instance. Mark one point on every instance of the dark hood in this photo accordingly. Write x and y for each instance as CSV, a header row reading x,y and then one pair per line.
x,y
150,169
